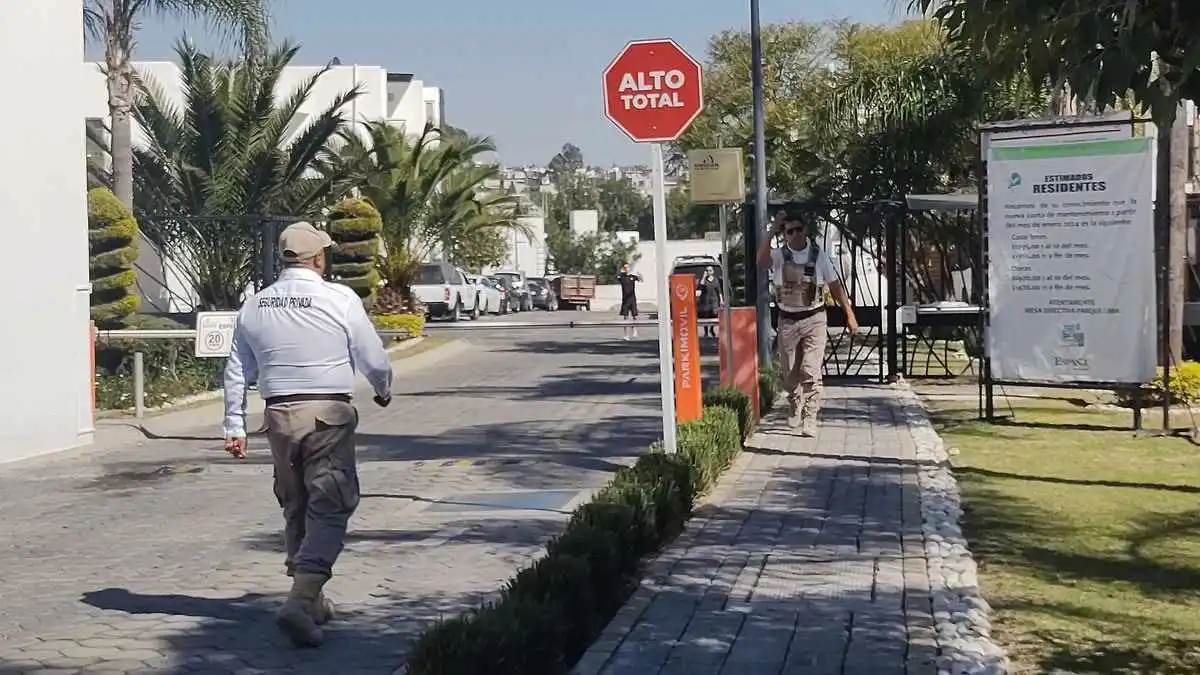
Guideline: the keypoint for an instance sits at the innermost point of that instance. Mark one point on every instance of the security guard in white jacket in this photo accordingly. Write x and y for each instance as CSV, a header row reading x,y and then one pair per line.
x,y
303,339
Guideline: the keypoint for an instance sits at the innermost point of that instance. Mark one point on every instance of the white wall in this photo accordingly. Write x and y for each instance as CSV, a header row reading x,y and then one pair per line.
x,y
584,221
527,251
45,390
370,105
409,102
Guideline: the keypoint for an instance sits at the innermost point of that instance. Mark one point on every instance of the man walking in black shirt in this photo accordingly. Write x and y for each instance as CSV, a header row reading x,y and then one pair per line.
x,y
629,309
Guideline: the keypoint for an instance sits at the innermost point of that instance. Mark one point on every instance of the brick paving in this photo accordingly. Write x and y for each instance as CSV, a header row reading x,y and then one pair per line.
x,y
808,558
164,556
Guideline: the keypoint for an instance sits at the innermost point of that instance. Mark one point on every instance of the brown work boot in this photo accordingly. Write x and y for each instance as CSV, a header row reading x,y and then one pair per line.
x,y
296,617
323,610
808,426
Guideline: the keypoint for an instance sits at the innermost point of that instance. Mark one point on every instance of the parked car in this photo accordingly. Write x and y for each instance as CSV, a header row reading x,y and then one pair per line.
x,y
501,287
542,294
574,290
446,292
490,300
518,292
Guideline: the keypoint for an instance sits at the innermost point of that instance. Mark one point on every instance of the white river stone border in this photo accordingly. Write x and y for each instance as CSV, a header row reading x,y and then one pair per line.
x,y
961,616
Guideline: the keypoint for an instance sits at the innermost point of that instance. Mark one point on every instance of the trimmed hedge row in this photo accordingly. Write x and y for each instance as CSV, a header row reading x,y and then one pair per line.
x,y
548,615
413,323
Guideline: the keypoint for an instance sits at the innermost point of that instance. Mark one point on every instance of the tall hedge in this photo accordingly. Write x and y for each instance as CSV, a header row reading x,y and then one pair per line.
x,y
113,250
354,226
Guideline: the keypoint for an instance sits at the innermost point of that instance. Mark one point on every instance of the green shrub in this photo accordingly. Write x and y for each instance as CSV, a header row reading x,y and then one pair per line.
x,y
710,445
355,225
770,383
112,251
1185,388
413,323
550,613
172,370
737,401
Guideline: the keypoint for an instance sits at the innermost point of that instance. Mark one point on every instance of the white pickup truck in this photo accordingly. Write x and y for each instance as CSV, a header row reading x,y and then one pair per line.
x,y
446,292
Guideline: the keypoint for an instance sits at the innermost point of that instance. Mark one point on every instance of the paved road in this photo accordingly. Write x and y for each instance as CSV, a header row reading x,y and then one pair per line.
x,y
164,556
810,562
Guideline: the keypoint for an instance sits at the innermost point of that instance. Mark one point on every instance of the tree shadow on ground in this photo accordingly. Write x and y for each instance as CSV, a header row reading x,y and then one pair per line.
x,y
1024,538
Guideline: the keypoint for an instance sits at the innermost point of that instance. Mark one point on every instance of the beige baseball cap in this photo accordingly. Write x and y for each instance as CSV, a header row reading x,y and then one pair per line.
x,y
302,241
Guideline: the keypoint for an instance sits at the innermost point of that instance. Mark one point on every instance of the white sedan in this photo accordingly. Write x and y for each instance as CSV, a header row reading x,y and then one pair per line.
x,y
490,299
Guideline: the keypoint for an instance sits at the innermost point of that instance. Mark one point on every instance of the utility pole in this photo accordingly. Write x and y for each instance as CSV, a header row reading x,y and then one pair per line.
x,y
1177,261
759,289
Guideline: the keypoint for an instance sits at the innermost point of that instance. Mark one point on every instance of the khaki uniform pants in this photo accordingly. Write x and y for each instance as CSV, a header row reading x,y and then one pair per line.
x,y
316,479
802,346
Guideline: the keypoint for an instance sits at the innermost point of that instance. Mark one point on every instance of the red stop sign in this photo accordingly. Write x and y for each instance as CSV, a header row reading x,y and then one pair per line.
x,y
653,91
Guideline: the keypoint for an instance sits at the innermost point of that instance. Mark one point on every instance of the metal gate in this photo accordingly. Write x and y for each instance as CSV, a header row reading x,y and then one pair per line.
x,y
172,236
861,239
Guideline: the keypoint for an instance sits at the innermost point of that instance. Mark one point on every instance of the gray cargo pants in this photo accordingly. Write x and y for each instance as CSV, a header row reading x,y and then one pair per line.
x,y
802,347
316,479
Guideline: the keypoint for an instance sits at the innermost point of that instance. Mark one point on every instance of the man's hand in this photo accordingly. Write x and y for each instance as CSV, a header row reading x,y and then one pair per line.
x,y
383,401
851,322
236,446
777,224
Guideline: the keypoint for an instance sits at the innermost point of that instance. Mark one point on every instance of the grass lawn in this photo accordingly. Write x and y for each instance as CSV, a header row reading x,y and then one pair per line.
x,y
429,343
1087,538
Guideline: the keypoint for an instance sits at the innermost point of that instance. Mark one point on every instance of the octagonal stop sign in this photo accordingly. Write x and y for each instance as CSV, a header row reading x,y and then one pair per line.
x,y
653,90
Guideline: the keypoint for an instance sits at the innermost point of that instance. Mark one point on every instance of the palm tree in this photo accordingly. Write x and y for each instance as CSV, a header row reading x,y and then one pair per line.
x,y
236,149
429,193
114,24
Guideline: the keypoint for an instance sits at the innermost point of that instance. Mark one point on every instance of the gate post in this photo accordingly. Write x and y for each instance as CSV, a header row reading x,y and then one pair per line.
x,y
267,257
891,253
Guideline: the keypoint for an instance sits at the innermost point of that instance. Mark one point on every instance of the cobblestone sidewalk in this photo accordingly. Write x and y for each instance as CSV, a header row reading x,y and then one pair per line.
x,y
165,556
808,559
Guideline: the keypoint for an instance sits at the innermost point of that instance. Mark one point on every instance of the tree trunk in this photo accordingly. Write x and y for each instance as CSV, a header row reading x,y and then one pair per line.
x,y
120,109
1177,262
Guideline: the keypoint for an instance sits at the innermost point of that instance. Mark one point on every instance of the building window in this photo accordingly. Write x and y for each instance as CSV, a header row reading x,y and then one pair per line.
x,y
431,112
97,141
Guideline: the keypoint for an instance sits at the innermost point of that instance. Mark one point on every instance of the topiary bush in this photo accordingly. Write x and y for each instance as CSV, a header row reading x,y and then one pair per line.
x,y
770,384
355,225
112,251
548,615
413,323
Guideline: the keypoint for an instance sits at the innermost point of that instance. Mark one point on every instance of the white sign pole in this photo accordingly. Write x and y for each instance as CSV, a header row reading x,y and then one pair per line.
x,y
666,370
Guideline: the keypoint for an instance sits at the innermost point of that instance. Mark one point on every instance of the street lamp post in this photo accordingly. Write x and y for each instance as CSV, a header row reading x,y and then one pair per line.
x,y
760,182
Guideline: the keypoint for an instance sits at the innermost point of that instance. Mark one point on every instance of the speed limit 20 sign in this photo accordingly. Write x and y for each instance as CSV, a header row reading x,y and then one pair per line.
x,y
653,90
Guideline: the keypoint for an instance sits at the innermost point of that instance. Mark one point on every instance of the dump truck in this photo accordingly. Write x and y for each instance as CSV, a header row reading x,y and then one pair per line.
x,y
575,290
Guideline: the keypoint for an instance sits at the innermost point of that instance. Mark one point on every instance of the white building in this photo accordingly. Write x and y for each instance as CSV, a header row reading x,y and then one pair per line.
x,y
45,393
398,98
527,250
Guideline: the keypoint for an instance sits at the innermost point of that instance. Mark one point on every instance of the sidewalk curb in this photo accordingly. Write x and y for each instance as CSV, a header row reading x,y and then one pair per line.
x,y
193,400
115,433
659,569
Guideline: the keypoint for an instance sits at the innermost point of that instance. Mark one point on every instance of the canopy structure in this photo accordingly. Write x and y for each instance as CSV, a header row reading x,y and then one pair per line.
x,y
951,202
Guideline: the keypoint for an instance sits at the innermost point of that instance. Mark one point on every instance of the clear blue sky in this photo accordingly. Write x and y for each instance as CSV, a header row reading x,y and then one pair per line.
x,y
526,73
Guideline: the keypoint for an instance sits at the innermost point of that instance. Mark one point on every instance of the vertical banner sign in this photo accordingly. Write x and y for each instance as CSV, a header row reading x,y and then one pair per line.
x,y
688,398
1071,271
